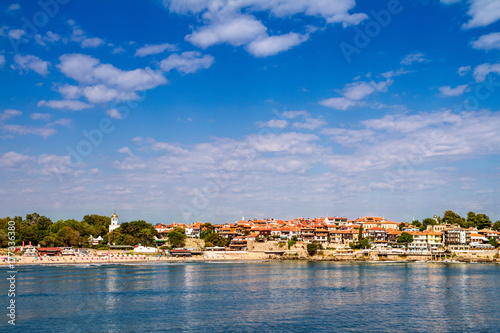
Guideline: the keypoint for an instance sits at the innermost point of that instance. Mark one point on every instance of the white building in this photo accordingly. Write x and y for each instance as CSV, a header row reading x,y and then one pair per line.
x,y
114,222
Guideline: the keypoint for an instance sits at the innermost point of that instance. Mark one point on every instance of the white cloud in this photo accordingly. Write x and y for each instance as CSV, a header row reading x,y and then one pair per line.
x,y
9,113
102,94
91,42
70,92
65,104
482,71
333,11
118,49
101,83
231,22
295,114
414,57
154,49
273,123
30,62
358,90
309,124
2,61
16,33
272,45
487,42
14,7
483,13
125,150
187,62
238,30
463,70
41,116
62,122
24,130
449,2
79,36
13,160
339,103
457,91
114,113
353,93
51,37
398,72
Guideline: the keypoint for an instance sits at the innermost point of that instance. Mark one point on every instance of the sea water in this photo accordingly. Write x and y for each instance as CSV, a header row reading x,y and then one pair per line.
x,y
289,296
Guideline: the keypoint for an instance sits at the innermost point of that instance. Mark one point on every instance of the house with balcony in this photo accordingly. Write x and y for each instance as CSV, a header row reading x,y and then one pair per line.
x,y
321,236
336,236
238,243
307,234
457,238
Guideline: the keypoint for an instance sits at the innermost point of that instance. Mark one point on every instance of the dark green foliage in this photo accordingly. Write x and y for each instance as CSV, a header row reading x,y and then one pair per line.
x,y
177,238
428,221
41,231
313,247
133,233
493,242
405,238
213,239
496,226
416,223
451,217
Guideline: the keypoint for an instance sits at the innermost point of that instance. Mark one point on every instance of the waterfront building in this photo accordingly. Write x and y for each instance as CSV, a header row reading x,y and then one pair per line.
x,y
307,234
336,236
321,235
456,238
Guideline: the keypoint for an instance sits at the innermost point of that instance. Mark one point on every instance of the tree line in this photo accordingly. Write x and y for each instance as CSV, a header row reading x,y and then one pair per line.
x,y
40,230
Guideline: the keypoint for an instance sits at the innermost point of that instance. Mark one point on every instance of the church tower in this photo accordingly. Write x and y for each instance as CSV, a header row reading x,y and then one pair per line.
x,y
114,222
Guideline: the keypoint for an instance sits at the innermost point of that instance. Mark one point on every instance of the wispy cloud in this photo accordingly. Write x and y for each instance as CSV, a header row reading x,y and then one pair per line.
x,y
187,62
414,58
154,49
457,91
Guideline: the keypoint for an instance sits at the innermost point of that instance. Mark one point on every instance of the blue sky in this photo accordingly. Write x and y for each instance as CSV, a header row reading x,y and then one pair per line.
x,y
210,110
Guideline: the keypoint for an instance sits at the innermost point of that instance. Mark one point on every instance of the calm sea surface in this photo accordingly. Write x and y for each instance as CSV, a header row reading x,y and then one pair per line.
x,y
254,297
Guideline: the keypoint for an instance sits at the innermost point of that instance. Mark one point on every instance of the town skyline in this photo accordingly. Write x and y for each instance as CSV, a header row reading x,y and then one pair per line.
x,y
212,110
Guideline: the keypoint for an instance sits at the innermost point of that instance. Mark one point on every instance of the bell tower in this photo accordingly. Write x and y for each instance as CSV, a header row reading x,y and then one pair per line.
x,y
114,222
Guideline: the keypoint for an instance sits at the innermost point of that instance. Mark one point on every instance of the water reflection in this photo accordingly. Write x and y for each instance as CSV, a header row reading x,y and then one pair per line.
x,y
279,296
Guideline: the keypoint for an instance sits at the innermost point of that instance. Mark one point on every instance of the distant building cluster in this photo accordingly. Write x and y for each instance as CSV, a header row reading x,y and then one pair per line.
x,y
340,232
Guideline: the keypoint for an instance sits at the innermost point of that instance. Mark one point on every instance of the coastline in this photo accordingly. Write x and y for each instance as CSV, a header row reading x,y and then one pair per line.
x,y
30,261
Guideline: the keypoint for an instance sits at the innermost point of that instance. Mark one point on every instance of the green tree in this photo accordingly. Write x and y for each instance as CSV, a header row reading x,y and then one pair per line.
x,y
496,226
493,242
483,221
364,243
428,221
405,238
48,241
177,237
67,236
312,248
416,223
292,242
451,217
